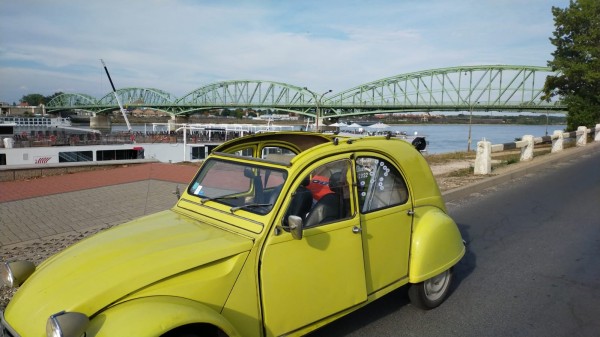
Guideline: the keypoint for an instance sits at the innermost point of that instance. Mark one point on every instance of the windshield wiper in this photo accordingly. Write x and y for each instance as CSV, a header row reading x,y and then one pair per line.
x,y
233,209
203,200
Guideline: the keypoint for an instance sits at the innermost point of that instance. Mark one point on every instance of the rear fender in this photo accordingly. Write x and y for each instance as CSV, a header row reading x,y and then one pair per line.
x,y
154,316
436,244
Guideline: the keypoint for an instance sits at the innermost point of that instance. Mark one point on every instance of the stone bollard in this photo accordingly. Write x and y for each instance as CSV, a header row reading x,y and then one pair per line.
x,y
558,140
483,161
527,150
581,136
597,135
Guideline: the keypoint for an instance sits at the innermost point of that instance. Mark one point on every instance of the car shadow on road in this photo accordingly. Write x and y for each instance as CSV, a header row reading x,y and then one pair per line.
x,y
396,300
467,264
383,307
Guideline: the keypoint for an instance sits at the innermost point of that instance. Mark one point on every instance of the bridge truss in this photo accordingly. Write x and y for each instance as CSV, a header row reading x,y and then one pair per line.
x,y
466,88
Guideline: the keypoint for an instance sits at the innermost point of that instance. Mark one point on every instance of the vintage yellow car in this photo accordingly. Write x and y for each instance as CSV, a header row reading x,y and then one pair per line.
x,y
277,234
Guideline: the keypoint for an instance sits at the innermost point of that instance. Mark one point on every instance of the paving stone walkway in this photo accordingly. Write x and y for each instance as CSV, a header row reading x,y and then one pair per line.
x,y
83,201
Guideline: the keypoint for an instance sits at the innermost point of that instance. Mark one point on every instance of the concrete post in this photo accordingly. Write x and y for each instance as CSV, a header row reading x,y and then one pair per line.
x,y
527,150
597,135
483,160
581,136
558,140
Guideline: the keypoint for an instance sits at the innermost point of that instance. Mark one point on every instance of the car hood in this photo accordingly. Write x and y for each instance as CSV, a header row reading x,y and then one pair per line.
x,y
106,267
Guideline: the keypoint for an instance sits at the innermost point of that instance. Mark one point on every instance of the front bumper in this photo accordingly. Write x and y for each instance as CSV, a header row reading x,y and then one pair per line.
x,y
5,329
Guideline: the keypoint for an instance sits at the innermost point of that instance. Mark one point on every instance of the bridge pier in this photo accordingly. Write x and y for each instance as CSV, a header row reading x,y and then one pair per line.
x,y
177,120
100,122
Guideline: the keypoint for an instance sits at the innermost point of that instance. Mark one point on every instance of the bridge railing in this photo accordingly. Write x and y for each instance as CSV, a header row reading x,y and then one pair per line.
x,y
483,160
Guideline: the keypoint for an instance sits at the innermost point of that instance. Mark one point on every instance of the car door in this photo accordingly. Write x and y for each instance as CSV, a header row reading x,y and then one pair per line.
x,y
303,281
385,209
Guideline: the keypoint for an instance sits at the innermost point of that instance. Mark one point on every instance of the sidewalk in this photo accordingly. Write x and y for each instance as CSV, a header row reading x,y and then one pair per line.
x,y
73,204
18,190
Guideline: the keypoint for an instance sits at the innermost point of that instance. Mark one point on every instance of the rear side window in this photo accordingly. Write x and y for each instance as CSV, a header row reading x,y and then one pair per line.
x,y
379,184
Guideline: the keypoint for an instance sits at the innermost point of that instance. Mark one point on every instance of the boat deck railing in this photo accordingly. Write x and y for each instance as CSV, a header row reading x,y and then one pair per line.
x,y
44,139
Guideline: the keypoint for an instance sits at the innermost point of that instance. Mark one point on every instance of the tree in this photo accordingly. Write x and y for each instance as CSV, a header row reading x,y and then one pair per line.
x,y
576,61
49,98
34,99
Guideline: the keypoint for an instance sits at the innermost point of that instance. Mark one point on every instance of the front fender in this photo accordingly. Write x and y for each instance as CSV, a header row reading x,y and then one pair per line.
x,y
154,316
436,244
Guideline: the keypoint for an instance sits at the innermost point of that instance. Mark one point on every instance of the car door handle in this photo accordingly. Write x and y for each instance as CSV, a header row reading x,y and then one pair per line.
x,y
410,212
356,230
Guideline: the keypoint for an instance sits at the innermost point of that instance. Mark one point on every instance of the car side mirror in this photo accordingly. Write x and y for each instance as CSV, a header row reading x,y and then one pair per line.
x,y
296,226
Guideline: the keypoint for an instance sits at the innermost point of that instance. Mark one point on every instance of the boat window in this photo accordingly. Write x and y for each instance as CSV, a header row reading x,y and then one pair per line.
x,y
242,186
103,155
75,156
202,151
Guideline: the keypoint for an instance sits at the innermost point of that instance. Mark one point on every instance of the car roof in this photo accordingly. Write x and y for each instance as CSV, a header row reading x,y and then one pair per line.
x,y
302,141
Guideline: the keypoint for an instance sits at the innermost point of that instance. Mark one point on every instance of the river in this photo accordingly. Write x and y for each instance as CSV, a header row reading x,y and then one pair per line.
x,y
445,138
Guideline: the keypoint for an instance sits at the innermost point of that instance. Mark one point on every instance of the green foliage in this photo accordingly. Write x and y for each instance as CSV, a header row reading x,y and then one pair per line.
x,y
34,99
37,99
577,61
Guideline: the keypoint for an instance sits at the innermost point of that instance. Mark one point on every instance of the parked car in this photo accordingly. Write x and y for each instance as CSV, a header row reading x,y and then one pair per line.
x,y
277,234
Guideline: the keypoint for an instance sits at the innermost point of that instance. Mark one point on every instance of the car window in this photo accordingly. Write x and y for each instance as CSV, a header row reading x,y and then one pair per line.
x,y
246,152
277,154
379,184
242,186
323,195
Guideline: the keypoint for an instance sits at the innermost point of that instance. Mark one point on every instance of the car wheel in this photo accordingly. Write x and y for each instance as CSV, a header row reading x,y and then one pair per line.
x,y
432,292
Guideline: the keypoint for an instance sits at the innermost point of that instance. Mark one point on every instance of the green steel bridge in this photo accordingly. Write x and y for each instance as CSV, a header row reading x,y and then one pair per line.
x,y
466,88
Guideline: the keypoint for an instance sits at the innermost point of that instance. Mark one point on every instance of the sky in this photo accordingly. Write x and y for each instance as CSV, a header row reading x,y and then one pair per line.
x,y
178,46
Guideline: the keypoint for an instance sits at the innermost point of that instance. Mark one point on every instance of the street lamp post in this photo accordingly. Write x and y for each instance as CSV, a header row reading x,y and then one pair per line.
x,y
470,122
317,104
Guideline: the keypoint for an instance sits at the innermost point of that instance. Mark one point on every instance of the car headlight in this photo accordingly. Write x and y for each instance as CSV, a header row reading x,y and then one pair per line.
x,y
13,274
67,324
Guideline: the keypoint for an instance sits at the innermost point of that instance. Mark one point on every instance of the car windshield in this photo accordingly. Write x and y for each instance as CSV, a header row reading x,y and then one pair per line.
x,y
242,186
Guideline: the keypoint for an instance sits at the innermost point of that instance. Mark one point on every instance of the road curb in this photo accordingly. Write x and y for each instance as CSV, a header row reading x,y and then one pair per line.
x,y
518,170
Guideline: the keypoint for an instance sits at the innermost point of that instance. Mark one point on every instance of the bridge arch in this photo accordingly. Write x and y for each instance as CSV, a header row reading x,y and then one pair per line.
x,y
249,94
138,97
71,101
463,88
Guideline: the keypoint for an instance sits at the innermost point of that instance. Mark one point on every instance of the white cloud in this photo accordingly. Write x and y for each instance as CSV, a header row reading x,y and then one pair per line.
x,y
178,46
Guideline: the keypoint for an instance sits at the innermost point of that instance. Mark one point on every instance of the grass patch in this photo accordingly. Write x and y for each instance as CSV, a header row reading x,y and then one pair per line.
x,y
461,173
442,158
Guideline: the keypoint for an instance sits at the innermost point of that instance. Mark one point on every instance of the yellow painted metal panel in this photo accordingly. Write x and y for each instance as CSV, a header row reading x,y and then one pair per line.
x,y
386,237
306,280
437,244
149,317
95,272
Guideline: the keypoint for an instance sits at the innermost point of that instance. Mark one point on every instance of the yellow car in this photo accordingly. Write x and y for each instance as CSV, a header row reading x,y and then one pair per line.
x,y
277,234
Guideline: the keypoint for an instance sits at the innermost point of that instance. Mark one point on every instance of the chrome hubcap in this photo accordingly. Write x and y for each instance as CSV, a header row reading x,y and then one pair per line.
x,y
436,286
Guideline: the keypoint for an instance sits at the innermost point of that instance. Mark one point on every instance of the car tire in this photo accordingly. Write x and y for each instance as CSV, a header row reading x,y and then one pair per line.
x,y
432,292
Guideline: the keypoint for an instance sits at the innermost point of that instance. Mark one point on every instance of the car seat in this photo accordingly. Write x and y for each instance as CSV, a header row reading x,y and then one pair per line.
x,y
332,206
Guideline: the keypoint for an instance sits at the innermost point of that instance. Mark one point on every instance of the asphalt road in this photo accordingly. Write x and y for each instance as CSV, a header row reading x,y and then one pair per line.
x,y
532,267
